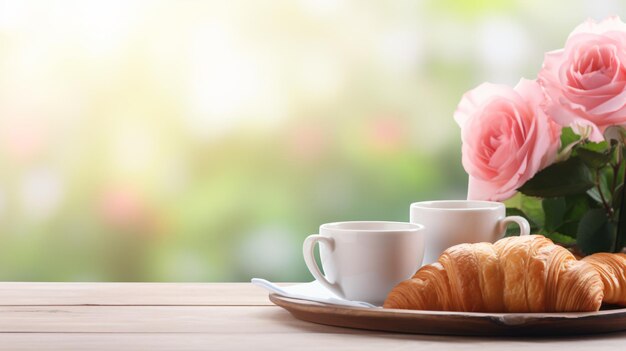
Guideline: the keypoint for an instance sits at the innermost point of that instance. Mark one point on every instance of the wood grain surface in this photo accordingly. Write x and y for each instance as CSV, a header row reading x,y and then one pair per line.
x,y
229,316
138,294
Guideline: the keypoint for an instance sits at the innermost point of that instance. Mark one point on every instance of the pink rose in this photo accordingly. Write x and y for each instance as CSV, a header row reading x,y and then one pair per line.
x,y
507,138
586,81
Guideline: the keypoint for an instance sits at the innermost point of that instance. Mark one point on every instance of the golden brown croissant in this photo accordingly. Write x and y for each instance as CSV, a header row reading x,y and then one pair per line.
x,y
612,269
516,274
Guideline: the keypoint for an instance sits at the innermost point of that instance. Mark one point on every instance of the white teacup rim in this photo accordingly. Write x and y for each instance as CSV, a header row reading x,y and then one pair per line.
x,y
371,226
457,205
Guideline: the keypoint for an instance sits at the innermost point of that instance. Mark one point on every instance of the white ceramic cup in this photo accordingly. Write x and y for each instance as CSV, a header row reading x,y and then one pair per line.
x,y
363,261
451,222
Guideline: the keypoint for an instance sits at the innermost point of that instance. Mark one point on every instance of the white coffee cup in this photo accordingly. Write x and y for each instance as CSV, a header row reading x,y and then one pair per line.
x,y
451,222
363,261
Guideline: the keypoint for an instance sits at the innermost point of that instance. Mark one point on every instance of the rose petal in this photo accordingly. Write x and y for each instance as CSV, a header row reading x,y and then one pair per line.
x,y
506,136
611,105
586,81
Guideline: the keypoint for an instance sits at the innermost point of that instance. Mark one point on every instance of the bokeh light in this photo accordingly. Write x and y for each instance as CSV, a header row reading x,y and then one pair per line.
x,y
204,140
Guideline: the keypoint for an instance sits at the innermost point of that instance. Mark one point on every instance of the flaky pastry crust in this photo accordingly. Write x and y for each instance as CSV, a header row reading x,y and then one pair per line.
x,y
516,274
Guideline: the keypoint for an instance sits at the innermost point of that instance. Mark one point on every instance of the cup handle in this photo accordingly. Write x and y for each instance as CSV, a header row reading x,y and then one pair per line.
x,y
524,227
308,251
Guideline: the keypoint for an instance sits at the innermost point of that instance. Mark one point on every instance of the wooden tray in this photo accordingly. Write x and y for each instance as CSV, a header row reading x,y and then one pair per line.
x,y
455,323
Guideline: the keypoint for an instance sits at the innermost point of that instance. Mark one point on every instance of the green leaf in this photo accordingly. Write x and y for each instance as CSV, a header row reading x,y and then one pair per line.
x,y
569,177
569,228
595,232
594,193
601,147
569,140
568,137
576,207
605,179
595,155
554,210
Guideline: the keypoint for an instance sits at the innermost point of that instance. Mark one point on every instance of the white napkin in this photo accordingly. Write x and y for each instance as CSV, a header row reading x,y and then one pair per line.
x,y
312,291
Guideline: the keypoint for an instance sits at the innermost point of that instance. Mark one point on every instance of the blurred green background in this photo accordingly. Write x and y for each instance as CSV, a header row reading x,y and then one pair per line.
x,y
203,141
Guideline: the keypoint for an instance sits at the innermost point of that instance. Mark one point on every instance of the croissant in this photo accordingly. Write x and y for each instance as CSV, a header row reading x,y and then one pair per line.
x,y
516,274
612,269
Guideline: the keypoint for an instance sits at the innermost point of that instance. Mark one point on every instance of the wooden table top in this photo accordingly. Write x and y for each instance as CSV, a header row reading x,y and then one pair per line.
x,y
208,316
